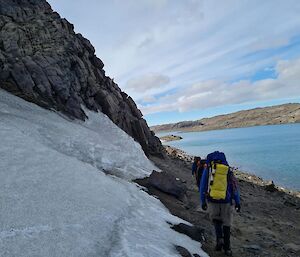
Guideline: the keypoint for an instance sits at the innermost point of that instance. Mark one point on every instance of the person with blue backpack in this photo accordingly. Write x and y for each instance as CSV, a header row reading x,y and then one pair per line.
x,y
218,189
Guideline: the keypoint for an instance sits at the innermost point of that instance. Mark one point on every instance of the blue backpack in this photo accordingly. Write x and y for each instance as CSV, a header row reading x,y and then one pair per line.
x,y
216,157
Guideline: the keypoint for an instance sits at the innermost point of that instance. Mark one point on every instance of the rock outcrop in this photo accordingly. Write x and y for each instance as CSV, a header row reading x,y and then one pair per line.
x,y
44,61
194,232
168,184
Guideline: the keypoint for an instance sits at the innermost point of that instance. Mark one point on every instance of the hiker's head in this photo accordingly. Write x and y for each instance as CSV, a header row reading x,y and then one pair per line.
x,y
198,161
195,159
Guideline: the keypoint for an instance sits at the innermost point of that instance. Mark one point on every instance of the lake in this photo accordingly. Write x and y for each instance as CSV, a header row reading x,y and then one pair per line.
x,y
270,152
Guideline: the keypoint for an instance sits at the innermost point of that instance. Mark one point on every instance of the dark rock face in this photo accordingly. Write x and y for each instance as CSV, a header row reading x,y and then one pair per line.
x,y
167,183
271,187
182,251
194,232
44,61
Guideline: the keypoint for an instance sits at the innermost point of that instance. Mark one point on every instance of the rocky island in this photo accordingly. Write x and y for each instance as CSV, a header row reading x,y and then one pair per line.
x,y
170,138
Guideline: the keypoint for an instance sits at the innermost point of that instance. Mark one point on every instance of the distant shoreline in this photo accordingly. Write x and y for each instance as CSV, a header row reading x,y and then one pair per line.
x,y
275,115
218,129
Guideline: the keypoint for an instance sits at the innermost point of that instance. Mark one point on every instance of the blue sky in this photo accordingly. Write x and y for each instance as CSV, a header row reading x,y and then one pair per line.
x,y
184,60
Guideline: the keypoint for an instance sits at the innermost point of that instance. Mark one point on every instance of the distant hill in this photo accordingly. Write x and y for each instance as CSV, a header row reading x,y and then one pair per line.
x,y
279,114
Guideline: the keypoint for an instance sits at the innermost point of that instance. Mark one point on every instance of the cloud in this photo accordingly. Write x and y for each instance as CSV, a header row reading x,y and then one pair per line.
x,y
289,71
189,40
214,93
201,45
264,42
147,82
146,42
148,99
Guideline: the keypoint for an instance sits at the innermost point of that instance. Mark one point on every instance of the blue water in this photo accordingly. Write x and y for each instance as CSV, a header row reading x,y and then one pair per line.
x,y
271,152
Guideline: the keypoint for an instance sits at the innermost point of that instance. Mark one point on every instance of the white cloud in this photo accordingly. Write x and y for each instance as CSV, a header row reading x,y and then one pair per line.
x,y
149,99
264,42
190,41
213,93
289,71
147,82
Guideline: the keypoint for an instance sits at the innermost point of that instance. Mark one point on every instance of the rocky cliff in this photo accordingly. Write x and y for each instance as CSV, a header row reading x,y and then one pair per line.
x,y
44,61
280,114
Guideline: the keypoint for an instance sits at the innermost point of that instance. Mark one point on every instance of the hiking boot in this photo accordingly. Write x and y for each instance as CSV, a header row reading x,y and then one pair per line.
x,y
228,252
219,245
219,235
227,247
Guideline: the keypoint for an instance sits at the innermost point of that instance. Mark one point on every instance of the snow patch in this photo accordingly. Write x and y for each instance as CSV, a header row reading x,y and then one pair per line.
x,y
97,141
56,199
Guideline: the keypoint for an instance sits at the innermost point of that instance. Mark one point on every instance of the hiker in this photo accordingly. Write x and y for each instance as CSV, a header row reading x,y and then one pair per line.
x,y
194,165
218,187
197,169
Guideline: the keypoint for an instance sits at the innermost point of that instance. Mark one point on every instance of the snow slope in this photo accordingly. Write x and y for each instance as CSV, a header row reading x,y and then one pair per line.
x,y
56,198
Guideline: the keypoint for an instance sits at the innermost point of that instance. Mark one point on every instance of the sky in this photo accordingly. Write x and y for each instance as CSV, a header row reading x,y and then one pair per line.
x,y
185,60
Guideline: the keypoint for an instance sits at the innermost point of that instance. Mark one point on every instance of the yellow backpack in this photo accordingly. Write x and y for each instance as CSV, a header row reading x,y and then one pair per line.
x,y
218,181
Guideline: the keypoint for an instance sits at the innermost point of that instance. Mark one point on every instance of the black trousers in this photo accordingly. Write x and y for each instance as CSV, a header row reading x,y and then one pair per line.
x,y
222,232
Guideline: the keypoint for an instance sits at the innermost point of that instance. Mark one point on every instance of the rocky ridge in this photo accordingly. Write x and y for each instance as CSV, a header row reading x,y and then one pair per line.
x,y
45,62
280,114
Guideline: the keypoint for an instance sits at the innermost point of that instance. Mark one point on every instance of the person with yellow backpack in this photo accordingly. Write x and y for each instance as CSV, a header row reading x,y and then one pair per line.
x,y
219,188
